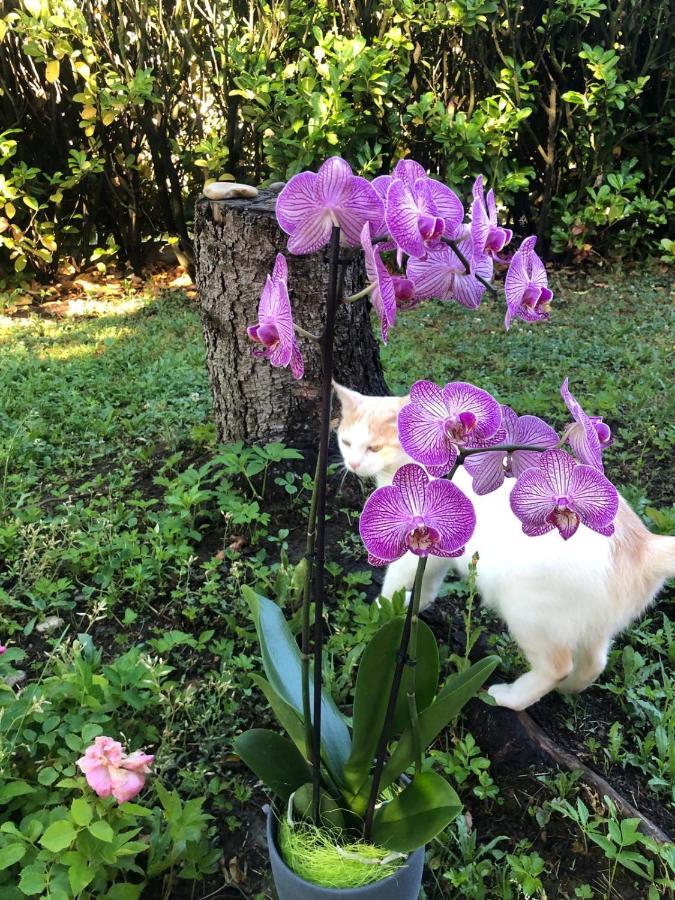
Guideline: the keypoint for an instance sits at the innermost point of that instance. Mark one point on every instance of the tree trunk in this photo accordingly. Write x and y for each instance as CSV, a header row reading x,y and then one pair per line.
x,y
236,242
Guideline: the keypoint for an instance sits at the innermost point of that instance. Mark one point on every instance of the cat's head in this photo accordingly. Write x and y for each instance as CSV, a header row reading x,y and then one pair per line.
x,y
367,434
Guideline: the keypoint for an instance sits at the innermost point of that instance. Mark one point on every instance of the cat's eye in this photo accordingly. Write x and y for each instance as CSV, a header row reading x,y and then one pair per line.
x,y
375,448
346,443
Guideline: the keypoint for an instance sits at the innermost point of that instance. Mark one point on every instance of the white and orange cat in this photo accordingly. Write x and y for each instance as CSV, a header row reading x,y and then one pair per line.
x,y
563,601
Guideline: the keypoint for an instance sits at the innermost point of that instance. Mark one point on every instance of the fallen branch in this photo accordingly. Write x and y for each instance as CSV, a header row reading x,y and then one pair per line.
x,y
569,761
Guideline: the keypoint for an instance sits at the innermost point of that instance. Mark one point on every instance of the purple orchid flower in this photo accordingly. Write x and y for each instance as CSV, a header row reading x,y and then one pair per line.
x,y
3,649
489,470
560,493
312,202
274,330
527,293
441,274
486,234
417,514
419,210
439,420
588,435
383,295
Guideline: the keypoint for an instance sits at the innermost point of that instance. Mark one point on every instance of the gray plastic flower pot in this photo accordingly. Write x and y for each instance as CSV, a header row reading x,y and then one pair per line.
x,y
403,885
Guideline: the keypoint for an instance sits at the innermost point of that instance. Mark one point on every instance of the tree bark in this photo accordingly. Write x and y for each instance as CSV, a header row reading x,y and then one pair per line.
x,y
236,242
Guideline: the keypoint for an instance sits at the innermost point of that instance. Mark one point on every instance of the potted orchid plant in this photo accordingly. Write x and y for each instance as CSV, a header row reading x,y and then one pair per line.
x,y
344,822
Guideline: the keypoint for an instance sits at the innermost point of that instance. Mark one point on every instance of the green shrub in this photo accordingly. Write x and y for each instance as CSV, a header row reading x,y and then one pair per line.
x,y
57,838
114,116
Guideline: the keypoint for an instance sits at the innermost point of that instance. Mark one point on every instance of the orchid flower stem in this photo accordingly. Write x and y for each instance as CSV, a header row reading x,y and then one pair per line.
x,y
503,448
411,661
364,293
465,262
306,334
332,303
402,659
306,603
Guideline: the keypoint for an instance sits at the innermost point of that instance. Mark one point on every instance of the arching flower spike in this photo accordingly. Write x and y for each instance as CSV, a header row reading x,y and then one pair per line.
x,y
559,493
418,515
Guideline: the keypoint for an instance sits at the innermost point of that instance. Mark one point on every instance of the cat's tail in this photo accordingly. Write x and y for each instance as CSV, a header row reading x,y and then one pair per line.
x,y
662,556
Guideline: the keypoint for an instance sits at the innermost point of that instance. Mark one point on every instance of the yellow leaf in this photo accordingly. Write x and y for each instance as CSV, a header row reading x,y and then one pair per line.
x,y
49,242
82,68
10,209
3,29
89,112
52,70
108,117
56,197
89,130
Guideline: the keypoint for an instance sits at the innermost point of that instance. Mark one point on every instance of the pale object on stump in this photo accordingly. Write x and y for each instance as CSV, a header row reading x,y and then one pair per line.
x,y
227,190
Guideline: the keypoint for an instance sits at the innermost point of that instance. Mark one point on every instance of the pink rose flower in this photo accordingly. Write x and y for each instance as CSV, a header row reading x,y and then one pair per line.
x,y
110,771
2,649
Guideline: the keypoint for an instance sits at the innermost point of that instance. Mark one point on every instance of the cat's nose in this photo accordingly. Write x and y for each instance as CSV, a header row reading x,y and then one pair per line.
x,y
355,464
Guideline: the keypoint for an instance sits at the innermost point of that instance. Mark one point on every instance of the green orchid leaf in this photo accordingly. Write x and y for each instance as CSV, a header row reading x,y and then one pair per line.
x,y
422,810
274,759
283,667
371,696
288,718
456,692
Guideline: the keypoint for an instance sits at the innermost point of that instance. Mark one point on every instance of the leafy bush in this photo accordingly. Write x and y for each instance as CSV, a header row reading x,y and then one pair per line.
x,y
59,840
114,116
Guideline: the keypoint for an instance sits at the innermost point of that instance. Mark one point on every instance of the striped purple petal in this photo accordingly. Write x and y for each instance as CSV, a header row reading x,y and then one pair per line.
x,y
594,498
333,182
489,469
448,207
402,214
383,295
449,512
423,436
295,199
409,171
531,430
465,400
312,233
434,276
363,204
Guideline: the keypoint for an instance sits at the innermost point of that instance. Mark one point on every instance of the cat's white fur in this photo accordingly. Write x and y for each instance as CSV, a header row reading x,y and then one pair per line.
x,y
563,601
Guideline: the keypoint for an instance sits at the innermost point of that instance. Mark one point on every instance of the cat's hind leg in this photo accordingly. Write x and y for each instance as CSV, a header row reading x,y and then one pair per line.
x,y
589,663
550,664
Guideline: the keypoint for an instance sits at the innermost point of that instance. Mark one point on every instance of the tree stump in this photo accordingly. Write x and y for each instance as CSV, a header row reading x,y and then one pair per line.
x,y
236,242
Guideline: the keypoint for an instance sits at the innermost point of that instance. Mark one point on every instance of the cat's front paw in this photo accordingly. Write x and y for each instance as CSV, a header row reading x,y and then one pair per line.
x,y
504,695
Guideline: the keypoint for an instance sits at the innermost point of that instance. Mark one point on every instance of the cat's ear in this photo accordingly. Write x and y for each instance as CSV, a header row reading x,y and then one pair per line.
x,y
350,400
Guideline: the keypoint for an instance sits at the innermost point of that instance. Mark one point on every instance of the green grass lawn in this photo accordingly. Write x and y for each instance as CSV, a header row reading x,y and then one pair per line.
x,y
128,534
